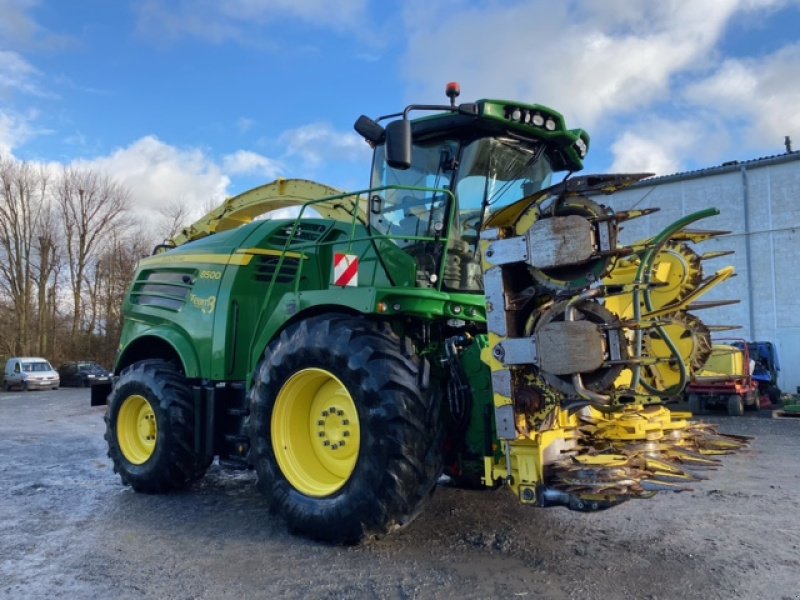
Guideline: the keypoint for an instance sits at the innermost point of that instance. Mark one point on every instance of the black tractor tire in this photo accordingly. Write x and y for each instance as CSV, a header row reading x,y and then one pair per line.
x,y
172,463
735,405
400,427
695,404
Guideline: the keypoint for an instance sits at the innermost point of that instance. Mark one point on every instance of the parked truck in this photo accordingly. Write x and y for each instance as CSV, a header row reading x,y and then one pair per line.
x,y
471,314
767,368
726,380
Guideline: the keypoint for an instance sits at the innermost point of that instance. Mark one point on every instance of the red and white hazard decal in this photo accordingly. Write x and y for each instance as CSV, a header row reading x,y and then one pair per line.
x,y
345,269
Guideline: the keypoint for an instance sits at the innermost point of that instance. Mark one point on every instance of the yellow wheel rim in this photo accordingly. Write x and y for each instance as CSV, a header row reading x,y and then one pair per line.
x,y
315,432
136,429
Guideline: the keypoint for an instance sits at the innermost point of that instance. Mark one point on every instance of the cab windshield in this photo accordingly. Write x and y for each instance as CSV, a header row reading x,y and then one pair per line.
x,y
493,173
483,174
500,171
489,174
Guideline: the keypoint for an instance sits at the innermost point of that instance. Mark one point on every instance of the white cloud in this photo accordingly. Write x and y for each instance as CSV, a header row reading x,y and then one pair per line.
x,y
665,146
588,60
17,128
649,73
760,96
157,174
244,162
17,75
651,152
318,143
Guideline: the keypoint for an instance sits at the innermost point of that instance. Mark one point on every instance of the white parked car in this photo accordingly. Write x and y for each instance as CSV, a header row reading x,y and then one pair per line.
x,y
30,373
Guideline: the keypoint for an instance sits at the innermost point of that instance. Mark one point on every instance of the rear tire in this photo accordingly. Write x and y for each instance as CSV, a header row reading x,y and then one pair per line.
x,y
150,429
735,405
334,374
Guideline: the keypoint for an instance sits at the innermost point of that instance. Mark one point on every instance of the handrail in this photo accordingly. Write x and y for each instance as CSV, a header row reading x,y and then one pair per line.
x,y
365,196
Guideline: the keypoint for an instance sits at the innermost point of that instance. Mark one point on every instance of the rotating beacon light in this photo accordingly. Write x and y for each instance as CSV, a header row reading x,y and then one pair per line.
x,y
453,90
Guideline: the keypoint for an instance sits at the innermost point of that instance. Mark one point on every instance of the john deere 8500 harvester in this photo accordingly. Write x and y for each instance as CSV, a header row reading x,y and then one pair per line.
x,y
472,314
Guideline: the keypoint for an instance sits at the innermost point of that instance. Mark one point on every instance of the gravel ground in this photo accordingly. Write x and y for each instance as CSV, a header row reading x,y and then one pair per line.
x,y
68,528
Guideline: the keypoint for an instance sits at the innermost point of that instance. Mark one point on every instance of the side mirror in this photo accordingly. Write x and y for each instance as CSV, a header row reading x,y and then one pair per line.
x,y
398,144
369,130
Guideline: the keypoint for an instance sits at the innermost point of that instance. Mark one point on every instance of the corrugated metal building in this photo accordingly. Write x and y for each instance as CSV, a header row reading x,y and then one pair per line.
x,y
759,203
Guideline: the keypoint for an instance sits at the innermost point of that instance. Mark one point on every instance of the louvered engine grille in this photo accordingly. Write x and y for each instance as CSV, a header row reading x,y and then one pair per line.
x,y
165,289
306,233
268,265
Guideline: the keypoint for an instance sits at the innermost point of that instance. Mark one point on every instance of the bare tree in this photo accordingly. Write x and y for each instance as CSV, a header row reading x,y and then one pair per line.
x,y
7,342
92,207
115,271
210,204
46,270
23,200
174,215
75,231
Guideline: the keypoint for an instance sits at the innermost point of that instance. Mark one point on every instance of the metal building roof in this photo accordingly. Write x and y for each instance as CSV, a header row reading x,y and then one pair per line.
x,y
726,167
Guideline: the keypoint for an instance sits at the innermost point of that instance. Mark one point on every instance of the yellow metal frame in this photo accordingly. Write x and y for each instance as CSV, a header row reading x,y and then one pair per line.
x,y
281,193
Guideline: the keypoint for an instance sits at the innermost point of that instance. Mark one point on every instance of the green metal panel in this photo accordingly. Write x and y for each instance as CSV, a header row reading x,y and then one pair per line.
x,y
174,296
480,438
136,333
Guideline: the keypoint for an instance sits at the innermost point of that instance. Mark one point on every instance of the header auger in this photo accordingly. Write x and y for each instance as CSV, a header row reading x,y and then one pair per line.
x,y
465,315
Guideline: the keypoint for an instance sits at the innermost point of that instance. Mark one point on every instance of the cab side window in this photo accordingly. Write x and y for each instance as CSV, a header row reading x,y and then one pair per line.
x,y
16,367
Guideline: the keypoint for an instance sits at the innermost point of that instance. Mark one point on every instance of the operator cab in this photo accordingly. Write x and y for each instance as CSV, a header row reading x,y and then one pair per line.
x,y
437,179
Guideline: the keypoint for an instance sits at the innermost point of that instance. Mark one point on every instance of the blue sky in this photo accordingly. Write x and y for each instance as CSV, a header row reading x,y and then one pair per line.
x,y
195,101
